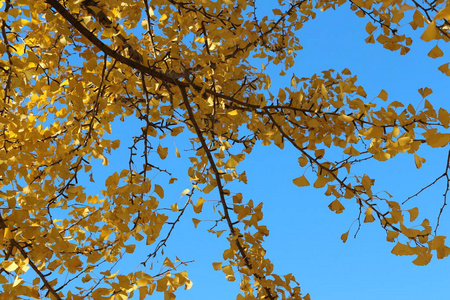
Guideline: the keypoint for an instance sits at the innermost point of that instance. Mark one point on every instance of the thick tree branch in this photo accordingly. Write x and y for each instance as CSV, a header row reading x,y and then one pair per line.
x,y
16,245
107,50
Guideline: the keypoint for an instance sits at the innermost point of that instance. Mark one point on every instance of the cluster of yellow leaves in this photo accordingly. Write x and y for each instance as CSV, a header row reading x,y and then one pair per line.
x,y
387,18
69,69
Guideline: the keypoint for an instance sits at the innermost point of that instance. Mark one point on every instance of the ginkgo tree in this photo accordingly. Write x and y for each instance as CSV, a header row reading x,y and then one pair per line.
x,y
69,69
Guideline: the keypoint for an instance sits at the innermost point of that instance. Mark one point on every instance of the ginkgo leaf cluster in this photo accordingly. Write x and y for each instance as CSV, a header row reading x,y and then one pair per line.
x,y
70,69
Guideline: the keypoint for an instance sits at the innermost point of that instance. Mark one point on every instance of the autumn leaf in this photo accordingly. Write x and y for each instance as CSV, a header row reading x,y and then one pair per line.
x,y
443,14
162,152
301,181
198,207
424,92
159,191
228,270
217,266
402,249
196,222
370,28
344,237
369,215
418,161
336,206
413,213
436,140
445,69
422,259
431,33
391,236
383,95
435,52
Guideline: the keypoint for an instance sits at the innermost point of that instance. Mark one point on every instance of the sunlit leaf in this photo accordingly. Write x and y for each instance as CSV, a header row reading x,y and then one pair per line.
x,y
431,33
413,213
336,206
435,52
301,181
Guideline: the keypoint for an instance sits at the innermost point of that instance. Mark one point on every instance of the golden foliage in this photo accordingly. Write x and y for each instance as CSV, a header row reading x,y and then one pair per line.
x,y
69,69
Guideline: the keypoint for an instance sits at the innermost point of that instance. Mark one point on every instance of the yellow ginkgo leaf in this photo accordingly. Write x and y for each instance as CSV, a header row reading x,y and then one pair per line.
x,y
196,222
402,249
217,265
418,161
443,13
344,237
431,33
336,206
159,191
413,213
383,95
391,236
425,92
301,181
162,152
198,207
370,28
422,259
435,52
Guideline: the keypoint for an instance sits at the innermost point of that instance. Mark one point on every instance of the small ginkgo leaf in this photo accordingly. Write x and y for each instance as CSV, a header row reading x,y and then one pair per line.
x,y
9,266
229,273
185,192
231,163
336,206
196,222
217,266
435,52
402,249
198,207
163,17
369,219
162,152
423,259
17,281
346,118
425,92
344,237
391,236
383,95
431,33
233,113
413,213
369,215
370,28
301,181
159,191
445,69
442,252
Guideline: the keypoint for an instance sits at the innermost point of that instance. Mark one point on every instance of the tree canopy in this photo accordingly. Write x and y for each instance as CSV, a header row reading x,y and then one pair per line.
x,y
198,69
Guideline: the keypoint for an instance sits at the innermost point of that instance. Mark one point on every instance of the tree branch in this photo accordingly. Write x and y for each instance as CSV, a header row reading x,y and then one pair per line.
x,y
220,188
15,244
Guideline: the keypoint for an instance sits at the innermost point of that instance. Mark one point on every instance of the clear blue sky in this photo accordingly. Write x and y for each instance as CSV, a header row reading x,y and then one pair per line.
x,y
304,234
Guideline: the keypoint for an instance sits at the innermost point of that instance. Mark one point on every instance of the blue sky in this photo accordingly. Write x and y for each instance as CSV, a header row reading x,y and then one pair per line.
x,y
304,234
